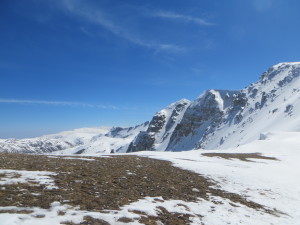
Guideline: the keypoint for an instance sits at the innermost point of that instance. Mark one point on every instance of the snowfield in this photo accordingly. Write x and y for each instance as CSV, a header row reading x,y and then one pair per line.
x,y
271,180
52,142
275,184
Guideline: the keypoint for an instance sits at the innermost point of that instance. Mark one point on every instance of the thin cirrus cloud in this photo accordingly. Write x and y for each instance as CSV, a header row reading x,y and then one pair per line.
x,y
56,103
180,17
98,17
263,5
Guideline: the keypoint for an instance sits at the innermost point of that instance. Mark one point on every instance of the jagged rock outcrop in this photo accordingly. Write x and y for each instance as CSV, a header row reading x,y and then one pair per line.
x,y
201,117
160,128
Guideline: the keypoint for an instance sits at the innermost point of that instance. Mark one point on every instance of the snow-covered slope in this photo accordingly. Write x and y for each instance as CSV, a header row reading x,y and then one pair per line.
x,y
272,183
116,140
160,129
78,141
223,119
50,143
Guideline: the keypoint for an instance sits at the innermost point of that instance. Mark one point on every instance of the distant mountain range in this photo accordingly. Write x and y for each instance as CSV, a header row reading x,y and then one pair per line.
x,y
217,119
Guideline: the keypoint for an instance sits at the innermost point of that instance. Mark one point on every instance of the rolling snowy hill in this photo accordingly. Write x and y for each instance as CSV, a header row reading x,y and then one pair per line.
x,y
117,139
51,143
78,141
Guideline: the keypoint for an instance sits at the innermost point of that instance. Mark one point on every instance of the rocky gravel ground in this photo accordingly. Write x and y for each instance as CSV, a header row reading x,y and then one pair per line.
x,y
241,156
107,183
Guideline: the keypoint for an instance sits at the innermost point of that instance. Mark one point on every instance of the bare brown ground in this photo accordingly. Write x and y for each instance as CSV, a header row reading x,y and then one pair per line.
x,y
240,156
109,183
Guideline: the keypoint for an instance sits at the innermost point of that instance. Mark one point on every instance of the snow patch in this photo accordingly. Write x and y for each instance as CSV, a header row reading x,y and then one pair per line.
x,y
22,176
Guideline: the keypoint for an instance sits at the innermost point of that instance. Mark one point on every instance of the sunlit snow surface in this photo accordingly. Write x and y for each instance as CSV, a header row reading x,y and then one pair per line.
x,y
23,176
275,184
272,183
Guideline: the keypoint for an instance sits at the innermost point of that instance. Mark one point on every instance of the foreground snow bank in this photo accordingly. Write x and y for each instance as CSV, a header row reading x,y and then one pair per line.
x,y
216,211
273,183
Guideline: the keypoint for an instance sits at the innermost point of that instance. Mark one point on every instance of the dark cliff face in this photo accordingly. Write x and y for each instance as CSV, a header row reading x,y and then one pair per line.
x,y
201,117
160,128
157,123
144,141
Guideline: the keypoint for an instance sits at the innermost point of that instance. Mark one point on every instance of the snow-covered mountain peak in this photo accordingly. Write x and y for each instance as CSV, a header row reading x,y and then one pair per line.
x,y
173,105
222,118
280,72
170,112
276,66
182,101
271,104
218,99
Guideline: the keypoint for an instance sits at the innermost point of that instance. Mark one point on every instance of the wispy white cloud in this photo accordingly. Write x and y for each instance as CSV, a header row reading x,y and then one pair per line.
x,y
96,16
87,32
196,70
262,5
57,103
180,17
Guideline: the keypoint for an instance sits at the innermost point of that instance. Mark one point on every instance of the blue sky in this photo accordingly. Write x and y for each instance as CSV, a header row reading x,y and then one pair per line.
x,y
67,64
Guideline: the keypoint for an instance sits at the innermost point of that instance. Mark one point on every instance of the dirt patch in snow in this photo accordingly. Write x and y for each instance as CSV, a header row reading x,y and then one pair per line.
x,y
240,156
109,183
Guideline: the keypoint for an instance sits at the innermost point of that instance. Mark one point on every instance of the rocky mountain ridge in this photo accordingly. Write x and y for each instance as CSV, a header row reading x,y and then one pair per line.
x,y
216,119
